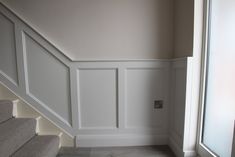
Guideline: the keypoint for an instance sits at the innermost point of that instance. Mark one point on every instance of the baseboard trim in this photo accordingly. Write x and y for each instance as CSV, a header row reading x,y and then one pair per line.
x,y
190,153
175,147
120,140
179,152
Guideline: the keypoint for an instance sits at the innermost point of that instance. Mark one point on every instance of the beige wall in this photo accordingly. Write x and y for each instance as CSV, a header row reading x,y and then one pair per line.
x,y
103,29
183,28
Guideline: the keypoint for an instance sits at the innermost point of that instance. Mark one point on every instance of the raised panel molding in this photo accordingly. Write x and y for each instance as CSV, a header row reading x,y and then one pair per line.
x,y
144,86
98,98
180,110
8,59
179,76
128,79
44,72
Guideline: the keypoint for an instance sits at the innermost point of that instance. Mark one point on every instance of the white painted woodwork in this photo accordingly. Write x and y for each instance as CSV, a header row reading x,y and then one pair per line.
x,y
8,64
143,86
45,72
44,126
181,108
179,101
101,103
98,98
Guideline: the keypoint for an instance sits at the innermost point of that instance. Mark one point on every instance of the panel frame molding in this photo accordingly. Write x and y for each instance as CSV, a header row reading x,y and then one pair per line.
x,y
11,20
152,66
98,66
26,76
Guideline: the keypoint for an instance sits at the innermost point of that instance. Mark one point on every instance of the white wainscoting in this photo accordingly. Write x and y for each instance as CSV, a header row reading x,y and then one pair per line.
x,y
178,89
116,103
44,72
98,98
180,109
8,49
35,70
101,103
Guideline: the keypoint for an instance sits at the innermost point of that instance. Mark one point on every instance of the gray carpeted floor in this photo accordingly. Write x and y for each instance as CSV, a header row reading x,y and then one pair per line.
x,y
147,151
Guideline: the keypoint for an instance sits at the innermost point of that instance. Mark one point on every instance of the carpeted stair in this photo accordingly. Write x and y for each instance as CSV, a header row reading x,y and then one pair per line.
x,y
18,136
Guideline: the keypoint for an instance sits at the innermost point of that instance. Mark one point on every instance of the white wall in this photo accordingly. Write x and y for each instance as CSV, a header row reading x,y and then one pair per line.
x,y
103,29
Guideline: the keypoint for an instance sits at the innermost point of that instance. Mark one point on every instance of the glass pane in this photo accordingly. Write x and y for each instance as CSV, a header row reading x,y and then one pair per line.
x,y
220,88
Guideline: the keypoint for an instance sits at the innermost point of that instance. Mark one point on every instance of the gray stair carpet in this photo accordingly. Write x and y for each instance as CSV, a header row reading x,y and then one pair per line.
x,y
14,133
40,146
6,110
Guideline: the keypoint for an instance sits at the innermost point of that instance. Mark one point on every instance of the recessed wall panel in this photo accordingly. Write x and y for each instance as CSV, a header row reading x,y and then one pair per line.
x,y
98,98
144,86
179,100
48,79
8,64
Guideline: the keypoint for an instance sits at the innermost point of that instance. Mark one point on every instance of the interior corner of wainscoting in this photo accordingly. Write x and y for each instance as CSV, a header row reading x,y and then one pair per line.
x,y
175,147
179,152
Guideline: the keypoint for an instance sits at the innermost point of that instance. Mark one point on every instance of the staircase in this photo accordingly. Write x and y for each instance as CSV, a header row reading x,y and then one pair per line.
x,y
18,136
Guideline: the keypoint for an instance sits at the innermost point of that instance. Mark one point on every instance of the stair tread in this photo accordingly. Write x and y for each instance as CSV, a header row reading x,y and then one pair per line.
x,y
6,110
40,146
14,133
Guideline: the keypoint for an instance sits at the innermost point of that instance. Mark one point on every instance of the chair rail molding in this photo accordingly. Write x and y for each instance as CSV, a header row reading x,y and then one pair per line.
x,y
101,103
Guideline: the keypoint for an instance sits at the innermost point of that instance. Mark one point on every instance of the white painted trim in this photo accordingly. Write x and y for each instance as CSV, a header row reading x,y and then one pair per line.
x,y
188,105
184,145
8,78
26,75
74,93
19,56
79,123
15,113
190,153
120,140
38,124
179,152
121,97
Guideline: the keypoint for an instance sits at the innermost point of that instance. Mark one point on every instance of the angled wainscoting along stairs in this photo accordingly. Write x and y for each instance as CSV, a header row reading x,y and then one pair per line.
x,y
100,103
